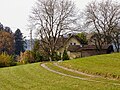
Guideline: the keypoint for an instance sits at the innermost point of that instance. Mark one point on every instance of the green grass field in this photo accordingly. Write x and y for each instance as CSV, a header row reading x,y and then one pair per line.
x,y
103,65
35,77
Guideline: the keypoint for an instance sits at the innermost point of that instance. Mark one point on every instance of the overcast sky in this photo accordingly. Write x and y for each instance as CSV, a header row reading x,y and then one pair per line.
x,y
14,13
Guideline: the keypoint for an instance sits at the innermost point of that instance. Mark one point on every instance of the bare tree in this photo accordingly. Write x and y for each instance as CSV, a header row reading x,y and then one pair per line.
x,y
52,18
103,17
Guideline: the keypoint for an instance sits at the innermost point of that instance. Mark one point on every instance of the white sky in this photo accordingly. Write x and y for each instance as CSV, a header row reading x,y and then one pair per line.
x,y
15,13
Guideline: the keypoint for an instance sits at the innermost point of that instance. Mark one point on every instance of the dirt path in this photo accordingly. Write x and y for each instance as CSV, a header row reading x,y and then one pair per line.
x,y
85,79
78,72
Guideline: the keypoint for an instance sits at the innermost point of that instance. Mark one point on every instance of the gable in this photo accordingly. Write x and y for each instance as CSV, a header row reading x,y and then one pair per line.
x,y
72,41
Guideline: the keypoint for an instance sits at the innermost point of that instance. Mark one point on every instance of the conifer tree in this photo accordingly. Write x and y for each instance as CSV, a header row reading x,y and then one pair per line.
x,y
65,55
19,42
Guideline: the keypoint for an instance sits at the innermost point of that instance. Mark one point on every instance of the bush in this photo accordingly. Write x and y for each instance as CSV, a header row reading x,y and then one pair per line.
x,y
30,57
56,56
45,58
65,55
38,57
26,57
6,60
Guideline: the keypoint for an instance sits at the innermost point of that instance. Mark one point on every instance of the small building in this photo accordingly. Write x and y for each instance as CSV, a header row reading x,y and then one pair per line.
x,y
65,42
75,49
87,50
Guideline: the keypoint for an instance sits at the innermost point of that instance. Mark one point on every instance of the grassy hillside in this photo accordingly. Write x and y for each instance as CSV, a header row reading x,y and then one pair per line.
x,y
34,77
104,65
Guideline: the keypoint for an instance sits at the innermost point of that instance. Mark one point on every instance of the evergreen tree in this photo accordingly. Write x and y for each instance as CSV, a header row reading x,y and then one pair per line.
x,y
19,42
36,46
83,38
36,53
1,26
65,55
8,29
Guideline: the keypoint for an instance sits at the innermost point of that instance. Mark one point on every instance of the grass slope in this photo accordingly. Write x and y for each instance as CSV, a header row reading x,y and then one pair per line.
x,y
101,79
34,77
104,65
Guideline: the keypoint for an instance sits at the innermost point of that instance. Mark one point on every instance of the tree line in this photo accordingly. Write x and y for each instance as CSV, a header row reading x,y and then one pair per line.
x,y
11,43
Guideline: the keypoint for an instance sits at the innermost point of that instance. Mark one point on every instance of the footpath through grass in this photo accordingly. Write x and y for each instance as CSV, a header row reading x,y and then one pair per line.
x,y
103,65
82,76
34,77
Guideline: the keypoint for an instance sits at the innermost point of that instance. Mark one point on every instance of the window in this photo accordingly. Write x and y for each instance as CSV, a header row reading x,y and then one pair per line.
x,y
70,43
74,43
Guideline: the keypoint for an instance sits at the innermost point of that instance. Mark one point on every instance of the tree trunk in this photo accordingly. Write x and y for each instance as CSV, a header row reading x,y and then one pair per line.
x,y
50,59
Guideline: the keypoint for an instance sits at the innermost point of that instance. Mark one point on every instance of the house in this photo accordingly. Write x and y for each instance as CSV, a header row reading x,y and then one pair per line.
x,y
65,42
75,49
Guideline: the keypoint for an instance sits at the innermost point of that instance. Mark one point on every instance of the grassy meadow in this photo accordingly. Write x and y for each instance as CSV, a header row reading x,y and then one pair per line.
x,y
104,65
34,77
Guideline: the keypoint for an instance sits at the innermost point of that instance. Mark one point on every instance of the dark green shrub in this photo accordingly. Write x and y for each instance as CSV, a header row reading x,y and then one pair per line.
x,y
56,56
38,57
45,58
65,55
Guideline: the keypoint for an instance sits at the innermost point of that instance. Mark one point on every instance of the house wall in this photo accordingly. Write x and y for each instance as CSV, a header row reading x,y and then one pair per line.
x,y
92,52
61,50
88,53
84,53
71,40
73,55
